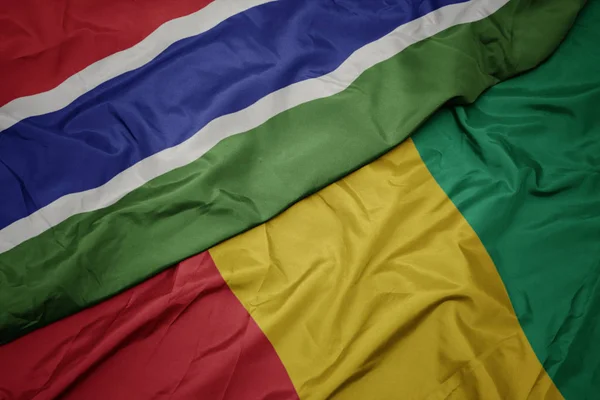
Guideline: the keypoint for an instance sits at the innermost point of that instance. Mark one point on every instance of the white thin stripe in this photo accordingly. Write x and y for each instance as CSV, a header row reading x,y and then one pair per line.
x,y
127,60
244,120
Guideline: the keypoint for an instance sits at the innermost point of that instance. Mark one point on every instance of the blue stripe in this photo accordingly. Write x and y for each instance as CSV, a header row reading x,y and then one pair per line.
x,y
194,81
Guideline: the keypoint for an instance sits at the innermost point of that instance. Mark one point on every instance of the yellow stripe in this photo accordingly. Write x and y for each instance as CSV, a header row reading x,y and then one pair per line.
x,y
377,288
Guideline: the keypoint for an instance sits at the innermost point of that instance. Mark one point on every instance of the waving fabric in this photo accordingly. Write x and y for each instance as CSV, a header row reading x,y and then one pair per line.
x,y
221,202
207,188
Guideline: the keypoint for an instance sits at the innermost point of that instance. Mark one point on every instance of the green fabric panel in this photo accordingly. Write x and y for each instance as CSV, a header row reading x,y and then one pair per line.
x,y
250,178
523,166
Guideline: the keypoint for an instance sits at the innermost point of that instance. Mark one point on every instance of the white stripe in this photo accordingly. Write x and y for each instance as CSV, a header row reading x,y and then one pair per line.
x,y
244,120
123,61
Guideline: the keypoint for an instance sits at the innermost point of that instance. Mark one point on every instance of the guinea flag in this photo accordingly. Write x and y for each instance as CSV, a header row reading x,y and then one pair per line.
x,y
257,199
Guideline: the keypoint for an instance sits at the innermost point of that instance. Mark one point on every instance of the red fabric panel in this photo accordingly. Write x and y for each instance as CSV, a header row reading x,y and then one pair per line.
x,y
43,42
180,335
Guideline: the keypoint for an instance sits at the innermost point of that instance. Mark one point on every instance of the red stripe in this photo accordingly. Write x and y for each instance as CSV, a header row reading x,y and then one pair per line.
x,y
43,42
180,335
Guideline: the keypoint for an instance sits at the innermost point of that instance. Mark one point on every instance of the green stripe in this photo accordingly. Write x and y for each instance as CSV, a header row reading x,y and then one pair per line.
x,y
523,166
249,178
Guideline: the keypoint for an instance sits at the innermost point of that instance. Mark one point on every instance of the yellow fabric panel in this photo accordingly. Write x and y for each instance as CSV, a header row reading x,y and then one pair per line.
x,y
377,288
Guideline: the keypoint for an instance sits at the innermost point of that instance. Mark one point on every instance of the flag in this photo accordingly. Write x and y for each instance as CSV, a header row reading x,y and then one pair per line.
x,y
150,246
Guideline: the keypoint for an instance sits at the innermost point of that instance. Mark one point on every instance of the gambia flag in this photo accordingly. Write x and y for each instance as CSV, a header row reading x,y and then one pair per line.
x,y
299,199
